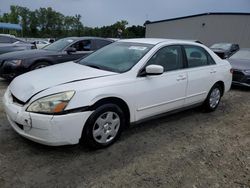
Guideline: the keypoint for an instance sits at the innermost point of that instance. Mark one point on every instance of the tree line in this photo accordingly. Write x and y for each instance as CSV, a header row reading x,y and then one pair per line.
x,y
47,23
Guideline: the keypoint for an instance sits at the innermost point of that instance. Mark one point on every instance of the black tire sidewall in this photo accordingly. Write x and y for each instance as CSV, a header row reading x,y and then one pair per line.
x,y
87,135
207,106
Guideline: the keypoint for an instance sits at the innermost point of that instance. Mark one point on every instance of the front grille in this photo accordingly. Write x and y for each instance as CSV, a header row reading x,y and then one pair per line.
x,y
17,101
238,75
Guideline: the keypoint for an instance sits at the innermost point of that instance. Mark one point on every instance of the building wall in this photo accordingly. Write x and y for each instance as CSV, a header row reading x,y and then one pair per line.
x,y
209,29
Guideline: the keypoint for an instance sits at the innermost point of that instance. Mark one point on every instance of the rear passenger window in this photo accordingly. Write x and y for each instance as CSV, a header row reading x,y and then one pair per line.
x,y
169,57
197,56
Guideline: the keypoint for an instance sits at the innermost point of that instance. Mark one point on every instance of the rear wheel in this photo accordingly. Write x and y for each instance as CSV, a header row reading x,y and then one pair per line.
x,y
39,65
213,98
104,126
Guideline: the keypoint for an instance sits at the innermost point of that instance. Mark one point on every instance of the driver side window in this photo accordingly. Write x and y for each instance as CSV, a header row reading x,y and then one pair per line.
x,y
84,45
169,57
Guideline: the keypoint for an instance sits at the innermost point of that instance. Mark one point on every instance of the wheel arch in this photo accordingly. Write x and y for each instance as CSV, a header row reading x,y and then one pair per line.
x,y
114,100
222,85
39,61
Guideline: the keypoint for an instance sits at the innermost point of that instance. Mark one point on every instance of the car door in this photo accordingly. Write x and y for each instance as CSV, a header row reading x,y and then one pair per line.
x,y
201,73
165,92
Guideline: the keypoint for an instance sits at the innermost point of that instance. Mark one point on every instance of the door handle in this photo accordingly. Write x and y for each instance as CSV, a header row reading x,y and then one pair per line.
x,y
213,71
181,77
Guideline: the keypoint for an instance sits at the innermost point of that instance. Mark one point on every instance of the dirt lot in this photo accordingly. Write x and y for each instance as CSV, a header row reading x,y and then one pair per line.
x,y
189,149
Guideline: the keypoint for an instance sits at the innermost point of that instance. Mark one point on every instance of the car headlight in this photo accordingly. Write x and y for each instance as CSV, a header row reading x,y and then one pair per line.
x,y
14,62
51,104
247,71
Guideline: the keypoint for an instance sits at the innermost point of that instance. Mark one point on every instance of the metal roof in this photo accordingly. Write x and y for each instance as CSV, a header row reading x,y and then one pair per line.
x,y
10,26
196,15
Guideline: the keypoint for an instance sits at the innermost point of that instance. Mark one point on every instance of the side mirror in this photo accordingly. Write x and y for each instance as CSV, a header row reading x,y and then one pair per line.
x,y
70,50
154,70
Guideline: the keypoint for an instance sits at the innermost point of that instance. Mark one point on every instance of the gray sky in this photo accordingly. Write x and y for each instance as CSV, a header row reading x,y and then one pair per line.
x,y
106,12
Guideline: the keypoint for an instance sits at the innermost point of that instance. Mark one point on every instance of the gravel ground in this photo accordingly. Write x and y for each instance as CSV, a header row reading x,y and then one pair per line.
x,y
188,149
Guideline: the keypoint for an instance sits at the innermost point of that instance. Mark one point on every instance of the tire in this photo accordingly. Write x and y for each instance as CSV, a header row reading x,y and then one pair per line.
x,y
39,65
213,98
104,126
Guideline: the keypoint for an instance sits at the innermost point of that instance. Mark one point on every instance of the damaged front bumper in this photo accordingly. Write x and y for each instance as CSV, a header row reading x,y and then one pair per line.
x,y
53,130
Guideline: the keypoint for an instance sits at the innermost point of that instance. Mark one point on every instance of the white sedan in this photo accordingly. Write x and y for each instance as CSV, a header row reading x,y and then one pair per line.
x,y
41,43
94,99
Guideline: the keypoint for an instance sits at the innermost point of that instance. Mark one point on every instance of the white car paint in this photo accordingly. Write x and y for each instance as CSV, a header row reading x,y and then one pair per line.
x,y
145,96
41,43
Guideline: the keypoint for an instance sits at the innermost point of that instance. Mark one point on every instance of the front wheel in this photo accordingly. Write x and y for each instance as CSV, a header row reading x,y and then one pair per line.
x,y
213,98
39,65
104,126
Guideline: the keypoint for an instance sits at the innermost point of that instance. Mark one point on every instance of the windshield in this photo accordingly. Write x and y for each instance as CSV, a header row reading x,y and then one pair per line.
x,y
242,54
59,45
224,46
117,57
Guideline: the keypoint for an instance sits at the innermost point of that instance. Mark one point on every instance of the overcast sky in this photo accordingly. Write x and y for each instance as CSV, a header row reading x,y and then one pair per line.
x,y
136,12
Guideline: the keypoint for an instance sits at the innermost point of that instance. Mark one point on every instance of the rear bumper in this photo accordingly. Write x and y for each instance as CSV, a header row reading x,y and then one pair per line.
x,y
45,129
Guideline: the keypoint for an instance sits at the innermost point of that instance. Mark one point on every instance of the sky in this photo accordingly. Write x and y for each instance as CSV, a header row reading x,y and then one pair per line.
x,y
97,13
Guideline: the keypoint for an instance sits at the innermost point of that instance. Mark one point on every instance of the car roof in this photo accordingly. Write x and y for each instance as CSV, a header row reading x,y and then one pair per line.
x,y
244,49
155,41
87,37
7,35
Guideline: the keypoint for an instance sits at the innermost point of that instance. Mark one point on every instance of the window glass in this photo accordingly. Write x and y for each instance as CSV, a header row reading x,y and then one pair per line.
x,y
196,56
84,45
210,60
117,57
169,57
59,45
101,43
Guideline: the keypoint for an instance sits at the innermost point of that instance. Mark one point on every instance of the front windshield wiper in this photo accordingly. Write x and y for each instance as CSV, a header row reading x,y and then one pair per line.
x,y
93,66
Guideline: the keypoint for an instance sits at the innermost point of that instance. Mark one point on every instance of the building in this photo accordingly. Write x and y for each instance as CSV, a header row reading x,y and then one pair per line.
x,y
208,28
10,28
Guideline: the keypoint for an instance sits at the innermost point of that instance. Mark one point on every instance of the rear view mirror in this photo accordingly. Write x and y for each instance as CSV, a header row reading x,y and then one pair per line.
x,y
70,50
154,69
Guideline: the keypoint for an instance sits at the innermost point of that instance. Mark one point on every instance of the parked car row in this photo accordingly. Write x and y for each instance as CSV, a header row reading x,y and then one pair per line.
x,y
225,50
93,99
66,49
9,43
240,62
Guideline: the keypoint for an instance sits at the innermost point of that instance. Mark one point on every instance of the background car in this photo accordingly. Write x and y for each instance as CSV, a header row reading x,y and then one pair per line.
x,y
240,62
67,49
92,100
41,43
225,50
9,43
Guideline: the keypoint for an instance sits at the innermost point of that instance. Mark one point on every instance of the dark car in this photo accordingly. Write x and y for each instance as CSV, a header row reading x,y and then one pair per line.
x,y
9,43
240,62
225,50
66,49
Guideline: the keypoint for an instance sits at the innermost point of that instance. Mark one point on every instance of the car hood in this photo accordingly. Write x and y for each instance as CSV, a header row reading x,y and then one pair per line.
x,y
240,64
24,87
26,54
